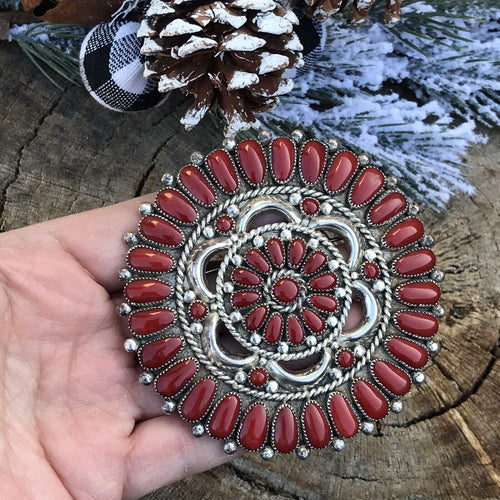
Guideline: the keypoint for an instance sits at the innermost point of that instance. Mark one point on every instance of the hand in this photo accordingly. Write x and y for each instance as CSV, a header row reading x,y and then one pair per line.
x,y
74,421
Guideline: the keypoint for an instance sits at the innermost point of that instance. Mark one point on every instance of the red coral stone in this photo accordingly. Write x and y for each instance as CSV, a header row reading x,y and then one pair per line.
x,y
416,262
175,378
160,352
276,251
197,402
224,224
198,310
313,321
314,262
176,205
316,426
246,277
323,302
285,290
147,259
295,330
325,281
296,252
391,377
312,161
161,231
341,170
245,298
150,320
258,377
274,329
370,270
344,418
410,353
402,234
252,160
387,208
224,417
142,291
257,260
370,399
310,206
196,184
253,430
419,292
345,358
223,170
415,323
256,318
286,433
369,183
282,158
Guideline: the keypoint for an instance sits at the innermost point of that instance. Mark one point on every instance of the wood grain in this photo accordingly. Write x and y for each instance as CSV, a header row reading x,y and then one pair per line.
x,y
61,153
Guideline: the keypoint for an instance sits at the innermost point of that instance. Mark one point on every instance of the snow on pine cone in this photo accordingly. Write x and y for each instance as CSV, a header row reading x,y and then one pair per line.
x,y
230,54
358,13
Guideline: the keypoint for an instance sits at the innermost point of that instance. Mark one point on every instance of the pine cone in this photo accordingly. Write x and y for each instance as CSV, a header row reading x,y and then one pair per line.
x,y
230,54
358,14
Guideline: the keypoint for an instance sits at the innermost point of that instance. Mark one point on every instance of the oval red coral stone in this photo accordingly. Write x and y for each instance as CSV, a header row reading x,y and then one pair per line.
x,y
256,318
310,206
224,224
282,158
314,262
175,378
410,353
415,323
312,161
253,430
246,277
370,399
252,160
223,171
224,417
147,259
257,260
387,208
313,321
316,426
345,358
198,310
325,281
419,292
276,251
274,329
196,184
285,290
416,262
161,231
344,418
341,170
197,402
258,377
323,302
370,270
176,205
402,234
286,433
142,291
295,330
369,183
296,251
245,298
391,377
160,352
150,320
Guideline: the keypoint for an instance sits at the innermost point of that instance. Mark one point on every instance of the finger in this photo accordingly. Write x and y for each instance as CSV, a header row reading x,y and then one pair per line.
x,y
163,450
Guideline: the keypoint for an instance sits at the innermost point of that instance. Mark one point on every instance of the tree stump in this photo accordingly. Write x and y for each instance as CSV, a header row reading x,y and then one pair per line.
x,y
62,153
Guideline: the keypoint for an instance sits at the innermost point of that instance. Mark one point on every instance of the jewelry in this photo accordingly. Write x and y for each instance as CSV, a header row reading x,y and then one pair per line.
x,y
240,282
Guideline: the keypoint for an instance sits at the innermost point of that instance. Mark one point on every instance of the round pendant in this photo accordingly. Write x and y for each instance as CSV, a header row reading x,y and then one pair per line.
x,y
281,295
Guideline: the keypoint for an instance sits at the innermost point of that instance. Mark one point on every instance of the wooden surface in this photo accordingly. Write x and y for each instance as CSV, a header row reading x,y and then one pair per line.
x,y
61,153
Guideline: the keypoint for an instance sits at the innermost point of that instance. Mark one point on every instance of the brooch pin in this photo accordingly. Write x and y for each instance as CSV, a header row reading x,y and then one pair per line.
x,y
241,280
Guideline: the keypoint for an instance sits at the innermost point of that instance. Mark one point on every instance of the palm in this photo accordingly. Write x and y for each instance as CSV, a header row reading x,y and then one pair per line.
x,y
75,420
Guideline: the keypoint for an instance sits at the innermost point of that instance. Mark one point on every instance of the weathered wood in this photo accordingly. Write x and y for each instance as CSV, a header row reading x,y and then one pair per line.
x,y
61,153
